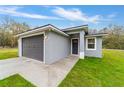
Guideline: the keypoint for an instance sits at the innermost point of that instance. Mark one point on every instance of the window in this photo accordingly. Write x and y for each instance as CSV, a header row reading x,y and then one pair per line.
x,y
91,43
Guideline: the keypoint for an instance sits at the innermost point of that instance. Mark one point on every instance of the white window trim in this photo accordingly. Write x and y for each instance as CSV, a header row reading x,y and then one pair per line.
x,y
87,43
71,46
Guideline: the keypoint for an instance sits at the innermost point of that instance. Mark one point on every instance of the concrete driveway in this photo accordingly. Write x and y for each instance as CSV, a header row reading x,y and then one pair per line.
x,y
38,73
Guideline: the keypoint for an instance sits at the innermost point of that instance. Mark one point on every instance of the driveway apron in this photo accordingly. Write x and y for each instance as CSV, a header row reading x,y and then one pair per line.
x,y
38,73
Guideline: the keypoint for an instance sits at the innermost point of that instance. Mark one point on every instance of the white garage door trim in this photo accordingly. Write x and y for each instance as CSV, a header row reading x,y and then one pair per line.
x,y
33,34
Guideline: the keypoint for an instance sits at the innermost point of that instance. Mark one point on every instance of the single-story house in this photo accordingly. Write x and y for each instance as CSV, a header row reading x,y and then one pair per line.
x,y
50,44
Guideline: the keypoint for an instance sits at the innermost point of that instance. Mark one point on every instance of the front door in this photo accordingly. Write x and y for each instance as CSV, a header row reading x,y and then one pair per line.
x,y
74,46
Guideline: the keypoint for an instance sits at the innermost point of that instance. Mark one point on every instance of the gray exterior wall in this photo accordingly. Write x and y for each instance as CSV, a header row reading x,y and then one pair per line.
x,y
73,32
74,35
56,47
98,51
82,44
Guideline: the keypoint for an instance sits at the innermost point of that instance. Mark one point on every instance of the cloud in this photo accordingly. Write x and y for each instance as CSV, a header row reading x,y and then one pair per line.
x,y
75,15
46,6
13,11
112,15
108,18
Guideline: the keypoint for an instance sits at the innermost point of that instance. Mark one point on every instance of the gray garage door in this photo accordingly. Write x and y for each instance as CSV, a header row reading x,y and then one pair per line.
x,y
32,47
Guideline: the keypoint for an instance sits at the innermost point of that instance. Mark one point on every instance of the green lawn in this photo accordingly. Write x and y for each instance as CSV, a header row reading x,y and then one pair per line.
x,y
15,81
108,71
8,53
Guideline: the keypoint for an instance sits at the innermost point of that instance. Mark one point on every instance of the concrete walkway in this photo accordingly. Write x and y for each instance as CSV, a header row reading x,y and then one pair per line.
x,y
39,74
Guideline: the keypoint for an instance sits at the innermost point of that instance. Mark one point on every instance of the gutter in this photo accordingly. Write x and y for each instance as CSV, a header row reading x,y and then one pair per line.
x,y
95,35
41,30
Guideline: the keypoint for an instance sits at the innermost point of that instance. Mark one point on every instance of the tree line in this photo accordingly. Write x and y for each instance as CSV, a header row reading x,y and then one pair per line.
x,y
115,37
8,29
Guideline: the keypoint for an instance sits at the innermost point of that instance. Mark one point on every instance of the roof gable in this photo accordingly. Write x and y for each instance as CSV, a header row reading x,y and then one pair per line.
x,y
43,28
82,27
55,29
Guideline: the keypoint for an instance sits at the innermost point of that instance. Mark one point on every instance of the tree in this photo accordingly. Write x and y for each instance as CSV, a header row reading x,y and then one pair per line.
x,y
115,37
9,28
3,38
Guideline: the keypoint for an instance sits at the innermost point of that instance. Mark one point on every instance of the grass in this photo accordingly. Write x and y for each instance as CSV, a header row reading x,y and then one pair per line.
x,y
8,53
108,71
15,81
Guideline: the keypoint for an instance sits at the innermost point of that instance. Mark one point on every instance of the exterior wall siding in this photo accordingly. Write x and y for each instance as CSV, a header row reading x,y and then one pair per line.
x,y
74,35
98,51
81,55
56,47
73,32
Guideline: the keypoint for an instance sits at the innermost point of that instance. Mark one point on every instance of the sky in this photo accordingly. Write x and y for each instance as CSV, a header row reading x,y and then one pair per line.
x,y
97,17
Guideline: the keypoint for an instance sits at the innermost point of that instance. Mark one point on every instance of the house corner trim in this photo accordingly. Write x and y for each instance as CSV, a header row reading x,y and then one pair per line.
x,y
81,55
20,47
